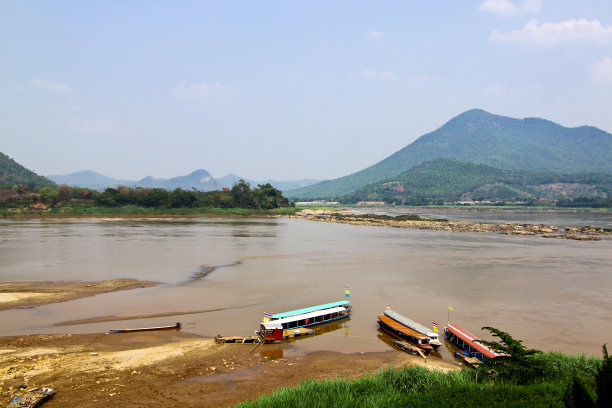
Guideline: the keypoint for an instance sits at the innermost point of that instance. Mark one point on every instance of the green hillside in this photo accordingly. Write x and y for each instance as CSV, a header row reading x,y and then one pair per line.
x,y
480,137
450,180
12,173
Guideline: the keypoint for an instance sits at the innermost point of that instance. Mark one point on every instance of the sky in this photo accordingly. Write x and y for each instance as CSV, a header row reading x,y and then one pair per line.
x,y
283,90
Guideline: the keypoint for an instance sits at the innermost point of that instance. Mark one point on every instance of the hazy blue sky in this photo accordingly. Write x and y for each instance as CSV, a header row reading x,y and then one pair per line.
x,y
283,89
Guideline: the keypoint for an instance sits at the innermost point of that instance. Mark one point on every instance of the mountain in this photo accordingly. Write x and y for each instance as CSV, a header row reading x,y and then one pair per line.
x,y
481,137
199,179
13,173
89,179
450,180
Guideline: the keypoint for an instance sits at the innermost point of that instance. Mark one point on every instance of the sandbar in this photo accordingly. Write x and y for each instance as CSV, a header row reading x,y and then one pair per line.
x,y
31,294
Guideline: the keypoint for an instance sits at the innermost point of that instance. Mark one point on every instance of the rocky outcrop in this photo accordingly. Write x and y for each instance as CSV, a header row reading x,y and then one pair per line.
x,y
414,221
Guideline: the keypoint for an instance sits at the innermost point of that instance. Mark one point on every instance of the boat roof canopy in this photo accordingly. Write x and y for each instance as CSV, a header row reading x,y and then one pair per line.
x,y
401,328
309,309
411,323
310,315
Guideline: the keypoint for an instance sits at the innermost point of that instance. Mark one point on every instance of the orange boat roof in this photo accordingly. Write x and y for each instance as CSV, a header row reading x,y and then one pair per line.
x,y
400,327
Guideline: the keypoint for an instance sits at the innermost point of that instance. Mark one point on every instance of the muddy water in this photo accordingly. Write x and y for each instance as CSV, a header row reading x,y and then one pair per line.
x,y
553,294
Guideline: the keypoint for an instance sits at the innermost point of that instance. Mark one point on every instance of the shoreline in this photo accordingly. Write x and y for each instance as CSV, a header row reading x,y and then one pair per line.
x,y
172,368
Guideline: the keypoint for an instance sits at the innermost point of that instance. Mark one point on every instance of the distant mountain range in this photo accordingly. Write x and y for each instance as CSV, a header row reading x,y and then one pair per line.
x,y
13,173
200,180
480,137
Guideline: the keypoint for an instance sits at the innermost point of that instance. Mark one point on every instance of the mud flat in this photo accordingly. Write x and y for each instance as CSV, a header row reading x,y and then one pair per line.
x,y
414,221
32,294
171,369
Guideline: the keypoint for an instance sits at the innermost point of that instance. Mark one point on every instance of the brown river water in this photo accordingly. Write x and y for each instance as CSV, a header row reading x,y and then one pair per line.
x,y
552,294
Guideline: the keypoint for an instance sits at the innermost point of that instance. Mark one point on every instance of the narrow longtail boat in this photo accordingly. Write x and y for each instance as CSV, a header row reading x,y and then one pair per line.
x,y
434,340
401,331
173,327
468,342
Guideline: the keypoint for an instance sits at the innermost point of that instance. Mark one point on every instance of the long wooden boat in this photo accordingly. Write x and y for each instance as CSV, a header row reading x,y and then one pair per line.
x,y
434,339
403,332
466,341
312,316
173,327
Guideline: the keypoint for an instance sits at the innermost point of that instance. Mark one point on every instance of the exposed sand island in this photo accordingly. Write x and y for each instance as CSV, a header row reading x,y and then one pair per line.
x,y
171,369
32,294
414,221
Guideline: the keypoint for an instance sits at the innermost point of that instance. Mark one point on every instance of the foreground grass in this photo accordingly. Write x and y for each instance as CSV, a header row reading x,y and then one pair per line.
x,y
418,386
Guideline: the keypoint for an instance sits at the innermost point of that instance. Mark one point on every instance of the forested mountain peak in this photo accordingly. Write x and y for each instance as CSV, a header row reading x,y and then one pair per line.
x,y
481,137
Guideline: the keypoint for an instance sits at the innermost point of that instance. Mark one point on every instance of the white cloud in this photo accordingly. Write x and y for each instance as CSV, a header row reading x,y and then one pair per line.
x,y
374,34
49,86
376,76
601,72
534,33
508,8
204,91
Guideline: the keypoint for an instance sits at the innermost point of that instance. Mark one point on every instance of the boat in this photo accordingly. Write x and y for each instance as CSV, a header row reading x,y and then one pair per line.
x,y
433,336
311,316
177,326
403,332
467,342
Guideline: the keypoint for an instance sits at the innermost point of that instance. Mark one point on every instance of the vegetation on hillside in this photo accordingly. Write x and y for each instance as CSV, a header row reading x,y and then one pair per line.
x,y
551,380
480,137
14,175
449,181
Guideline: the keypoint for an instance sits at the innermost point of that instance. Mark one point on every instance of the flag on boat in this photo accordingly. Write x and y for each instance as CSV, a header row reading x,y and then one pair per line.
x,y
450,308
435,329
347,292
267,317
434,323
388,306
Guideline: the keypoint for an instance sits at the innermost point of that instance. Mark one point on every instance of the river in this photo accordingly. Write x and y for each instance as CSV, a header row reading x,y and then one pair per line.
x,y
552,294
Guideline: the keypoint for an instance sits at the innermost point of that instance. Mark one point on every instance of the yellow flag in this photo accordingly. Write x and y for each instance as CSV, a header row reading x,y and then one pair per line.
x,y
450,308
435,329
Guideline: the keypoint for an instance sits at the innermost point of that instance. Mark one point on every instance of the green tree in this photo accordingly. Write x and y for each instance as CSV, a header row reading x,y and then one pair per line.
x,y
48,195
106,199
242,195
516,364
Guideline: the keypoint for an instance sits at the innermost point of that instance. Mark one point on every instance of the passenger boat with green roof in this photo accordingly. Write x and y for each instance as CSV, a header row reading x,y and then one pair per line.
x,y
310,316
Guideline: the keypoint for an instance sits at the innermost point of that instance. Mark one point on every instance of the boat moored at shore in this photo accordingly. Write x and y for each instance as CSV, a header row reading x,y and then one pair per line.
x,y
311,316
466,341
403,332
434,340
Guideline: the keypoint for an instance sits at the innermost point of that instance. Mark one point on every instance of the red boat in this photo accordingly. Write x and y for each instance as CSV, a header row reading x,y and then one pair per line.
x,y
468,342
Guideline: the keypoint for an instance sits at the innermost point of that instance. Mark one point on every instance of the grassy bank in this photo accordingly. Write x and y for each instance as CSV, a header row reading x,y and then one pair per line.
x,y
418,386
138,210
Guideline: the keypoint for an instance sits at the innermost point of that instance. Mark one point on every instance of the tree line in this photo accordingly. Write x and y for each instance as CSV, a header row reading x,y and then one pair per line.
x,y
241,195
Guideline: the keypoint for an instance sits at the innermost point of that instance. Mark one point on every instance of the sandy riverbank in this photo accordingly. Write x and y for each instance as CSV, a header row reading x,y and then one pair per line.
x,y
171,369
32,294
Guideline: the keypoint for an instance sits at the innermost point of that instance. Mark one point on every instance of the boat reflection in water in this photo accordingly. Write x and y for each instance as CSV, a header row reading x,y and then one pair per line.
x,y
275,351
